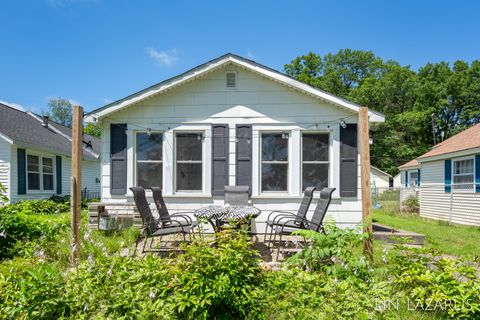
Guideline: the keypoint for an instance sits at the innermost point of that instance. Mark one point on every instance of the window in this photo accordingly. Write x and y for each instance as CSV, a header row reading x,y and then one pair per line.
x,y
47,171
463,174
189,148
413,178
39,173
231,79
315,151
149,159
33,172
274,161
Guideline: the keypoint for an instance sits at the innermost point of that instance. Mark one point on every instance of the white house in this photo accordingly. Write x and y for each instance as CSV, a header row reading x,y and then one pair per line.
x,y
35,157
380,179
232,121
409,179
449,184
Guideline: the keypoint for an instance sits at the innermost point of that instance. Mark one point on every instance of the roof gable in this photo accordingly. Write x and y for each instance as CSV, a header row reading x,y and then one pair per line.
x,y
215,64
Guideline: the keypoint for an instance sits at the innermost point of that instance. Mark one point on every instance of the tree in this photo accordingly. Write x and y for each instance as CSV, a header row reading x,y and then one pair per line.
x,y
60,111
93,130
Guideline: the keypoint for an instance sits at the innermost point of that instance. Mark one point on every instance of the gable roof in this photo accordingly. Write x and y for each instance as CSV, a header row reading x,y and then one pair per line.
x,y
26,129
215,64
381,171
465,140
410,164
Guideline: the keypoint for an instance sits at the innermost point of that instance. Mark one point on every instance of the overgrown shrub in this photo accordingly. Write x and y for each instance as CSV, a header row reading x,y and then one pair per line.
x,y
411,205
36,207
18,230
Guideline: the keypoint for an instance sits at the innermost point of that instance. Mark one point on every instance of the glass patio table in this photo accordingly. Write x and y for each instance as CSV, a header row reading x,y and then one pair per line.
x,y
216,215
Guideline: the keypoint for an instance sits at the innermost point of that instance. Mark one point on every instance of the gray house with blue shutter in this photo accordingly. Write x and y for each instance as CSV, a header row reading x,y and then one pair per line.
x,y
232,121
447,179
35,157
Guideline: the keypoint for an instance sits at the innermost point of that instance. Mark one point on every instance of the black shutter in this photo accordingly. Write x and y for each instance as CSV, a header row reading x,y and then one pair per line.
x,y
348,160
219,158
21,171
58,169
118,158
243,163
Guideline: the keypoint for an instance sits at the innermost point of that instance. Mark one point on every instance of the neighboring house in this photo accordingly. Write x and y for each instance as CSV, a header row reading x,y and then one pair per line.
x,y
232,121
35,157
450,179
397,180
380,179
409,179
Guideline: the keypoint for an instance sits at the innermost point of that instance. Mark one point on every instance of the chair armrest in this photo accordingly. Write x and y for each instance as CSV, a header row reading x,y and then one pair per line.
x,y
187,218
279,217
278,211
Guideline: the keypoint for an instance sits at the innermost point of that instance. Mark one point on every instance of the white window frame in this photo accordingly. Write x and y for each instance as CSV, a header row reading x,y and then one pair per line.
x,y
410,185
236,80
328,133
146,161
175,162
40,172
472,189
261,162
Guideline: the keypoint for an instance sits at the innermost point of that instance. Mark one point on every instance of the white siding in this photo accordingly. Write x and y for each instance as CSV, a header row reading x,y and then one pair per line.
x,y
90,170
380,180
5,151
461,207
265,104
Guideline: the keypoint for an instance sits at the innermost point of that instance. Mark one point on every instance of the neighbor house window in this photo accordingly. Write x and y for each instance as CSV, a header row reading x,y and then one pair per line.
x,y
33,172
315,162
189,149
413,178
149,159
39,173
47,173
463,174
274,161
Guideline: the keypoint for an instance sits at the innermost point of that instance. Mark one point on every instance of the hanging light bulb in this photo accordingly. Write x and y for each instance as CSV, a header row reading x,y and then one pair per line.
x,y
343,124
284,135
149,131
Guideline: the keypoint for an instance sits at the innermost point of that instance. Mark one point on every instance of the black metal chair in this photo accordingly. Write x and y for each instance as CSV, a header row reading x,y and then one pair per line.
x,y
237,195
155,227
285,225
182,217
298,218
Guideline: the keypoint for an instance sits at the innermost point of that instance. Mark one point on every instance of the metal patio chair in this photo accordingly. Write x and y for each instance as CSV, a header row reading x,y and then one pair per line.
x,y
182,217
298,218
237,195
285,224
155,227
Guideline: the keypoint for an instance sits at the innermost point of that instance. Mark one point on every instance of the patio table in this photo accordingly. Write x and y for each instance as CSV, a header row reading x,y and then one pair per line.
x,y
216,214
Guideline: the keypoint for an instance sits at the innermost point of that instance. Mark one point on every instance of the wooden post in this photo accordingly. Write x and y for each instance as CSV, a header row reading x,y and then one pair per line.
x,y
76,200
365,178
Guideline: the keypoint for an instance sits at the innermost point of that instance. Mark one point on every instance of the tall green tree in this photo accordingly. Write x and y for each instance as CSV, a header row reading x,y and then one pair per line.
x,y
60,111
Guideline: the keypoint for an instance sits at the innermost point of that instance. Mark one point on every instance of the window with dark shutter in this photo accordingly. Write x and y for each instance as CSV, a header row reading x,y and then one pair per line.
x,y
348,160
189,149
149,155
243,161
219,158
274,166
22,171
315,160
58,169
118,158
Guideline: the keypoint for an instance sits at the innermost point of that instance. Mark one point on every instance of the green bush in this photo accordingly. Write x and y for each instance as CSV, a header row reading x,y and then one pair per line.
x,y
411,205
35,207
18,230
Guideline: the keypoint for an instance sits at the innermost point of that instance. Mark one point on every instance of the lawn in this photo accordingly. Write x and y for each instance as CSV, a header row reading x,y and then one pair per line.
x,y
456,240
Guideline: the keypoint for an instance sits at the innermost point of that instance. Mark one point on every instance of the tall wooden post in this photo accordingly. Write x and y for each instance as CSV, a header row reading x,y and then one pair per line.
x,y
365,176
76,201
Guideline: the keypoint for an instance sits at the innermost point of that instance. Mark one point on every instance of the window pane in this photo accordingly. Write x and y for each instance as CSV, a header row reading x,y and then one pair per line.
x,y
149,174
33,181
274,147
149,146
189,176
189,146
47,182
463,166
413,175
315,175
32,163
463,179
274,177
47,165
315,147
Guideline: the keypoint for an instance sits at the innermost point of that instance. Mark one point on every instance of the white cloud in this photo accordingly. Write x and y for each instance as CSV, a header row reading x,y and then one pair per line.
x,y
251,56
106,100
165,58
14,105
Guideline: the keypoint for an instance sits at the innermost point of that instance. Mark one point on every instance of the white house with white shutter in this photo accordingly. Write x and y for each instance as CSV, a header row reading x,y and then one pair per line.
x,y
232,121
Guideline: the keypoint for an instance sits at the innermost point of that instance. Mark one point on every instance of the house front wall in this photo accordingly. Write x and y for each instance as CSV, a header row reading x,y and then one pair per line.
x,y
5,152
90,176
260,102
407,189
457,206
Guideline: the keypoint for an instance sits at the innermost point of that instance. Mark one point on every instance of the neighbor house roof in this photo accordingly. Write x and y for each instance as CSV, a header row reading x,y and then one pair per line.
x,y
216,64
410,164
382,172
463,141
26,129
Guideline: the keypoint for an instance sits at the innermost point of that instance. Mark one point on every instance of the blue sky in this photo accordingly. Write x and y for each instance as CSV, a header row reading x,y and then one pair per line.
x,y
96,51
